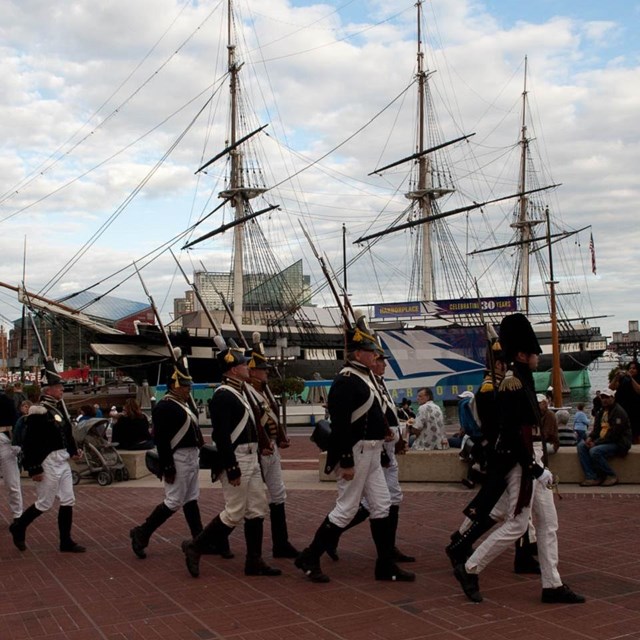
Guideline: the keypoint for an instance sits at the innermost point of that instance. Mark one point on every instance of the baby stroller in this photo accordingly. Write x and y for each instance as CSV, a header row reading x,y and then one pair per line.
x,y
100,460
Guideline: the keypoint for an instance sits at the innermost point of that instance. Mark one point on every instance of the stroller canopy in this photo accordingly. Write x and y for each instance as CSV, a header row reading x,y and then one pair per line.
x,y
94,426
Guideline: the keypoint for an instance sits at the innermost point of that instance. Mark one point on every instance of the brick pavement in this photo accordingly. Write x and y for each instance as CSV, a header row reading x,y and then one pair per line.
x,y
107,593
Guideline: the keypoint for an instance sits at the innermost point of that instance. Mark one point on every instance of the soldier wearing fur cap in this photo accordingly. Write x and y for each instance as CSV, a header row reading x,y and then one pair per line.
x,y
268,415
178,439
527,482
358,431
235,433
47,446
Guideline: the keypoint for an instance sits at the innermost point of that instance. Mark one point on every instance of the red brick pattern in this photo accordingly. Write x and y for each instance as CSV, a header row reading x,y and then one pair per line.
x,y
109,594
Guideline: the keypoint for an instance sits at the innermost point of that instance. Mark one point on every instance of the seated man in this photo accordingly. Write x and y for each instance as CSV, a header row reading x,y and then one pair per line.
x,y
428,426
611,436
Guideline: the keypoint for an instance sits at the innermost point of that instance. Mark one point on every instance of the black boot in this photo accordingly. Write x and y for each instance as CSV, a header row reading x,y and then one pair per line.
x,y
140,535
461,546
386,568
18,527
254,564
524,561
214,534
65,520
397,555
308,561
469,583
191,512
282,548
361,515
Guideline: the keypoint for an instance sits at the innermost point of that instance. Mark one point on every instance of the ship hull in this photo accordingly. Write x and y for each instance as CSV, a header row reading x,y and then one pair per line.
x,y
447,359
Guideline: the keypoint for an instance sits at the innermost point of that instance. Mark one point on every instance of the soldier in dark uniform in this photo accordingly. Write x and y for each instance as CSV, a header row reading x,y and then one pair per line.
x,y
486,400
527,482
393,445
177,436
47,446
358,431
268,414
234,431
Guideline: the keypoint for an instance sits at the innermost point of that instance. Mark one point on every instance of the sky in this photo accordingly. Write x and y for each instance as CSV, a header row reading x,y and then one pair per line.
x,y
95,94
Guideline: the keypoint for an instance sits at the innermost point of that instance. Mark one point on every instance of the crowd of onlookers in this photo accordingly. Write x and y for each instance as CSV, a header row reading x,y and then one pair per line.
x,y
608,430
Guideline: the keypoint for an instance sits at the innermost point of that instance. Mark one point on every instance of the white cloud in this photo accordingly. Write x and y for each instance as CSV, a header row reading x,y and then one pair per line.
x,y
66,68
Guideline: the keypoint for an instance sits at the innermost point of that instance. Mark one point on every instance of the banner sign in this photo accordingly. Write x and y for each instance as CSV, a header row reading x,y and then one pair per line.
x,y
499,304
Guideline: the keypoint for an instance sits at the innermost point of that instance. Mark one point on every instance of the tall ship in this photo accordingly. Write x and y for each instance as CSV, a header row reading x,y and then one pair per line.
x,y
431,315
437,334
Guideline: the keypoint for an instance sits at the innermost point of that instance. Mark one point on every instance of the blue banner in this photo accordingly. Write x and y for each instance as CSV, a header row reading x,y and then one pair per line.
x,y
499,304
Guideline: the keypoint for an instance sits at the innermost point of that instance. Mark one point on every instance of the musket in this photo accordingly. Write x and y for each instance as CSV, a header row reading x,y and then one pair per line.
x,y
330,282
43,350
165,335
234,321
198,295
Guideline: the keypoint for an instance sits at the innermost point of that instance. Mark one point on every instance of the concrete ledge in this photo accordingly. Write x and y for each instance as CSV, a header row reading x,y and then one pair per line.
x,y
446,466
134,461
565,464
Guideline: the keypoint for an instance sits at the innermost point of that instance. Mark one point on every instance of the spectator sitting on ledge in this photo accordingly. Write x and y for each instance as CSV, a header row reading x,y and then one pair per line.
x,y
611,436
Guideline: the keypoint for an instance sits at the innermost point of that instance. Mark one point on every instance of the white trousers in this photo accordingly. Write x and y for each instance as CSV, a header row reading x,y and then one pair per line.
x,y
368,481
513,526
185,487
56,482
391,473
11,474
249,499
390,476
272,474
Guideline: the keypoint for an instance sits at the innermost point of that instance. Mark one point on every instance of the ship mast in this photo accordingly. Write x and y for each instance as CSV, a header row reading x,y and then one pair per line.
x,y
237,192
425,194
523,223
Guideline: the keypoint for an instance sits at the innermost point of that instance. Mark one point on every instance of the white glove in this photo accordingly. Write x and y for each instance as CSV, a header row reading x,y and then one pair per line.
x,y
546,479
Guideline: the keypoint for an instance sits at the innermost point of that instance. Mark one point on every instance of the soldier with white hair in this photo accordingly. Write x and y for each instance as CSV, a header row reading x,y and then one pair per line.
x,y
47,446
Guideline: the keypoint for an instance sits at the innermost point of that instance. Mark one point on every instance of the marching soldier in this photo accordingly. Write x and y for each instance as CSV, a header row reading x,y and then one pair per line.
x,y
392,444
236,437
358,430
396,444
47,446
9,454
268,414
527,483
178,440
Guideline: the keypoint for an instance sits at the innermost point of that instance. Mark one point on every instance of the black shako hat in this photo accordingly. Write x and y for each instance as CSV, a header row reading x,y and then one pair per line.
x,y
516,334
48,375
229,355
360,336
257,357
179,377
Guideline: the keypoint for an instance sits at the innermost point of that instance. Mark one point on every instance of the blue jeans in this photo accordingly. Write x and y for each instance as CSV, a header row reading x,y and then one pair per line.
x,y
594,460
581,434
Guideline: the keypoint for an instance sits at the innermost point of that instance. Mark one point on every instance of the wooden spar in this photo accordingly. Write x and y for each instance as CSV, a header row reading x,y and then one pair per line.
x,y
446,214
230,148
415,156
